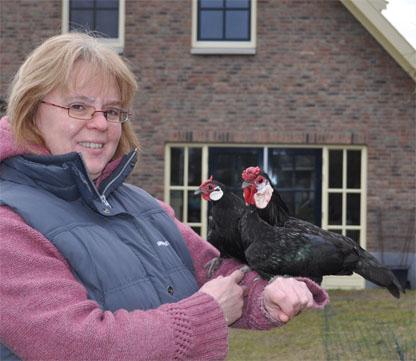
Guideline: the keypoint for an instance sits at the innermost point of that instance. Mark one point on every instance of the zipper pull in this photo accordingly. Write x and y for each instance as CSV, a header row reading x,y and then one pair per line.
x,y
106,204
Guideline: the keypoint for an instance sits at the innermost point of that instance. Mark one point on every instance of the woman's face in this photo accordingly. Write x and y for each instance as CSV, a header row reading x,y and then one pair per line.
x,y
96,139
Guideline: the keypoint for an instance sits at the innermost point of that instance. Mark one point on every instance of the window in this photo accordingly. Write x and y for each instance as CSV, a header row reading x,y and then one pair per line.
x,y
343,201
184,170
223,26
105,17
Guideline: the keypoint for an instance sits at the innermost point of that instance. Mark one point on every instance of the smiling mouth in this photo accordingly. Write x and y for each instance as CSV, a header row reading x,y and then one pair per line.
x,y
91,145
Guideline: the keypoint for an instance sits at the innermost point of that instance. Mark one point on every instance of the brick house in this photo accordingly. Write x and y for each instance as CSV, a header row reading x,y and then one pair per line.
x,y
319,93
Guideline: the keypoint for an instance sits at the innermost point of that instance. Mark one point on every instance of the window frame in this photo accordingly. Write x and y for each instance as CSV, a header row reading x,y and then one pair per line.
x,y
116,43
224,47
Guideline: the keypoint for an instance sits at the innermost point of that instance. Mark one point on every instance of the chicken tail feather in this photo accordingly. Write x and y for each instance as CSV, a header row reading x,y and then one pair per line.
x,y
372,270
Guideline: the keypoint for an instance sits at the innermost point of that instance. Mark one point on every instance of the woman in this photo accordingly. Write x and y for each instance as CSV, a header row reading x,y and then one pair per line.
x,y
93,268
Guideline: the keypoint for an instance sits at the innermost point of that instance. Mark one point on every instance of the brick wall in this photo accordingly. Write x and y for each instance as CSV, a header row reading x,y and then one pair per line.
x,y
318,77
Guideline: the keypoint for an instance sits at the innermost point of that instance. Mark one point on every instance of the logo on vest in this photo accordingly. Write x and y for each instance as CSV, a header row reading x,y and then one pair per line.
x,y
163,243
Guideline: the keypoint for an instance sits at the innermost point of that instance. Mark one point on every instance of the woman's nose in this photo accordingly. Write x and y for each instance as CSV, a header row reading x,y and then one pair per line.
x,y
98,121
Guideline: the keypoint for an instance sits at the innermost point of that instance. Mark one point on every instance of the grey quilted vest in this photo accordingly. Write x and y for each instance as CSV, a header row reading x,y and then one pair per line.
x,y
121,245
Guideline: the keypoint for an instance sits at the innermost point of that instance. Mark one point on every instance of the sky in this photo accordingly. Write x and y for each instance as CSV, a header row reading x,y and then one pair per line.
x,y
402,15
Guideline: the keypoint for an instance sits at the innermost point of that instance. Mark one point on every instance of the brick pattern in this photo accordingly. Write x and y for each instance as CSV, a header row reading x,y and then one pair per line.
x,y
318,78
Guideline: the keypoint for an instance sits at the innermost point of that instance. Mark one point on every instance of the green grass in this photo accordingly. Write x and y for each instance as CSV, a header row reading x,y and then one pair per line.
x,y
356,326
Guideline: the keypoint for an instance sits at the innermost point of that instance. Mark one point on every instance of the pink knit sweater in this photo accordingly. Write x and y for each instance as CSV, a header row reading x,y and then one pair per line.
x,y
46,315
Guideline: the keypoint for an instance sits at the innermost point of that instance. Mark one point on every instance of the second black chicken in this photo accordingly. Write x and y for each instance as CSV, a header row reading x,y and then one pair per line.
x,y
280,244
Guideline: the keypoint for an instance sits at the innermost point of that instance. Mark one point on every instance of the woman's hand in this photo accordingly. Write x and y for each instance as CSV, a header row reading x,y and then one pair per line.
x,y
285,297
228,293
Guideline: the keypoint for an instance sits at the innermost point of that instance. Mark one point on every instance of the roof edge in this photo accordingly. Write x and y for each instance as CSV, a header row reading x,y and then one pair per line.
x,y
382,30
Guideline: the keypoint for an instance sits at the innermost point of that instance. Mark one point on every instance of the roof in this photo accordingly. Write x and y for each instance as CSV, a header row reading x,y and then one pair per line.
x,y
368,13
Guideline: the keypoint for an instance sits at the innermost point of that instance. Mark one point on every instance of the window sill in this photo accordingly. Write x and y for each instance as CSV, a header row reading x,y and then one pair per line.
x,y
225,50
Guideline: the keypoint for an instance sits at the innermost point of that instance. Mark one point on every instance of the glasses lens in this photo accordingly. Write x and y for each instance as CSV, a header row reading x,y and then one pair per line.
x,y
81,111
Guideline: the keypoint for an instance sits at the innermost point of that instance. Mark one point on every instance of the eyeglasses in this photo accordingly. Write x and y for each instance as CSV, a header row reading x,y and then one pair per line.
x,y
86,112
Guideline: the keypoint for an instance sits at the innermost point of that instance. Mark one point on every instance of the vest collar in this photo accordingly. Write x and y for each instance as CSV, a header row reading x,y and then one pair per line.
x,y
66,177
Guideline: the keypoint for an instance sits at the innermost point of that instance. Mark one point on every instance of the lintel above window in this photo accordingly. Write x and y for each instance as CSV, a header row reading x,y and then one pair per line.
x,y
105,18
224,26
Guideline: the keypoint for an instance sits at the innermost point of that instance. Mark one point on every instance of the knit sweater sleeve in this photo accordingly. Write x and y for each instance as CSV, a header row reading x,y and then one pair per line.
x,y
254,314
46,315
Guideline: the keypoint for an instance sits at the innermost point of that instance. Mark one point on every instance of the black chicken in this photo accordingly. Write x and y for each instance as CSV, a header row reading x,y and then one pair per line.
x,y
223,226
281,244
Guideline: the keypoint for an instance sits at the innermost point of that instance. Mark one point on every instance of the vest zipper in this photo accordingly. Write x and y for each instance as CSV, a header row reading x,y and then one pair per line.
x,y
102,196
121,171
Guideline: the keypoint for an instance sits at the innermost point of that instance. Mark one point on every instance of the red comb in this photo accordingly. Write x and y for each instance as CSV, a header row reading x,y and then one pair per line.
x,y
250,173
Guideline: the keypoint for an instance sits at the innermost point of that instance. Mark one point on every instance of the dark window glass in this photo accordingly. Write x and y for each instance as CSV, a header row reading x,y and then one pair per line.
x,y
194,207
354,169
237,25
194,166
176,166
95,15
335,169
242,4
339,231
107,23
297,175
82,3
227,20
211,3
107,3
353,209
334,208
211,25
354,235
197,229
227,164
82,19
176,201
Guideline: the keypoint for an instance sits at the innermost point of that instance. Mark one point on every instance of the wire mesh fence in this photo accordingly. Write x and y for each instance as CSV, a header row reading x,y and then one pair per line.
x,y
366,338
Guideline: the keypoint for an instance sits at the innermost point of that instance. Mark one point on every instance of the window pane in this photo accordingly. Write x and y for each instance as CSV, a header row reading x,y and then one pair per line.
x,y
227,164
353,169
194,166
176,201
211,25
237,25
107,4
194,207
107,22
197,229
212,3
176,166
354,235
304,179
335,169
81,19
237,4
353,209
335,208
280,168
81,4
339,231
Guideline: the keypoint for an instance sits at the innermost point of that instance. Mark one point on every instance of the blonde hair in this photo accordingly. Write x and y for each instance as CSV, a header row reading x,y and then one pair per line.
x,y
49,67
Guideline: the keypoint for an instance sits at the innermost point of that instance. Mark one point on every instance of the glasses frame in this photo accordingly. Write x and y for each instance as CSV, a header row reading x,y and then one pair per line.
x,y
92,115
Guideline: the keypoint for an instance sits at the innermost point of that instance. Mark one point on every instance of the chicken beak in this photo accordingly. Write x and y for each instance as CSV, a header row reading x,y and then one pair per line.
x,y
197,192
245,184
